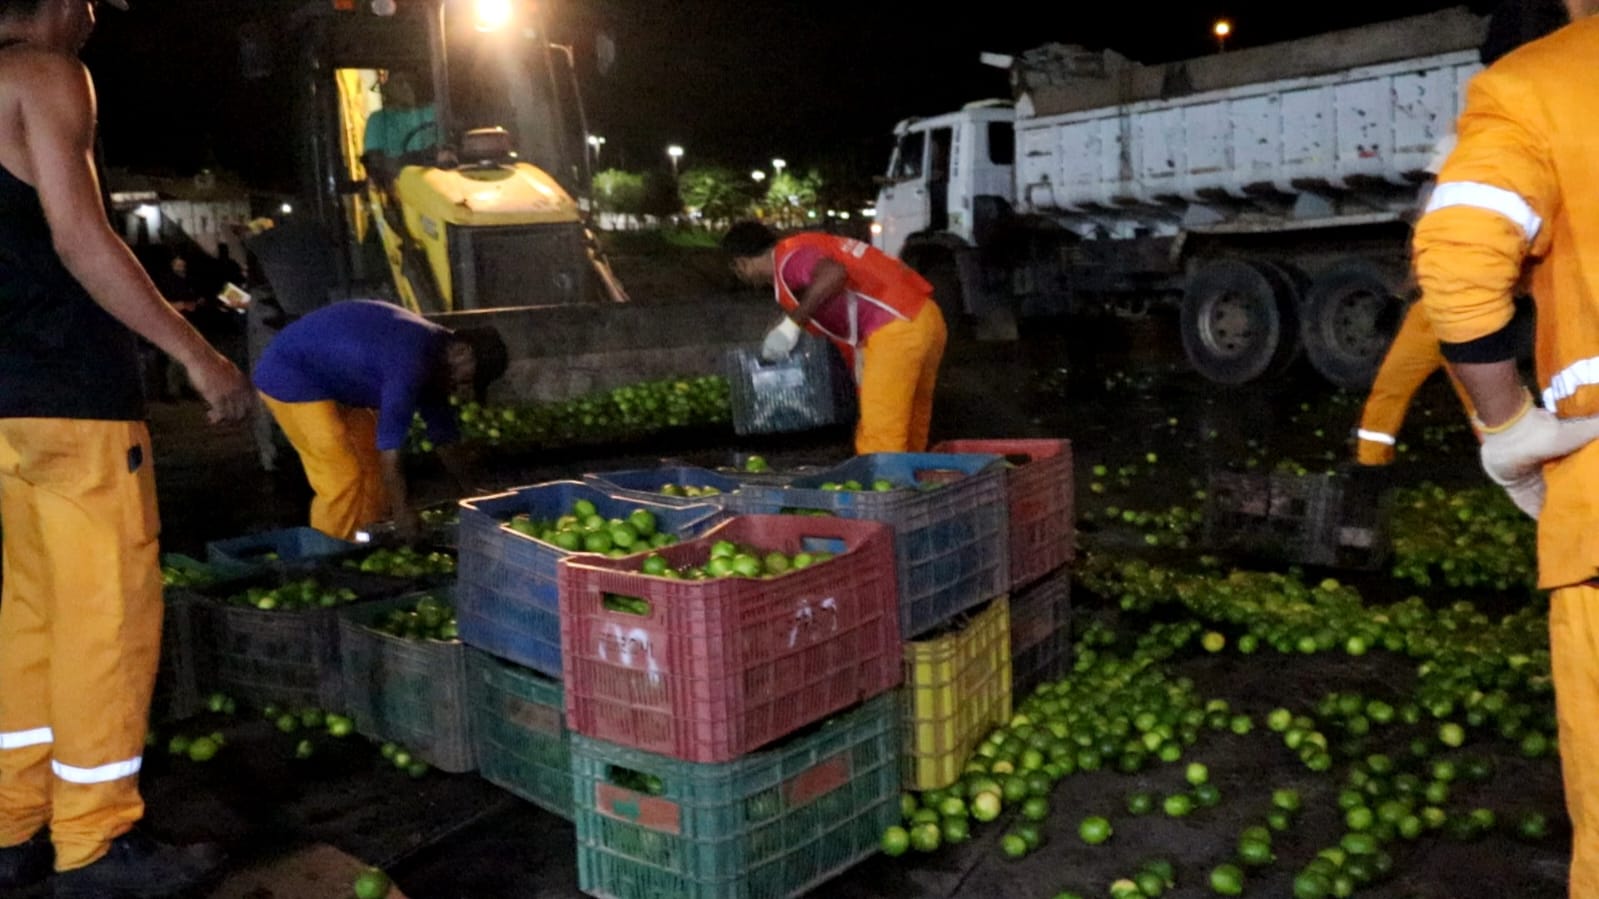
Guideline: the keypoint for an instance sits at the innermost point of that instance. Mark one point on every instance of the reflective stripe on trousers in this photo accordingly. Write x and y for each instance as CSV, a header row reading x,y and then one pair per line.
x,y
22,739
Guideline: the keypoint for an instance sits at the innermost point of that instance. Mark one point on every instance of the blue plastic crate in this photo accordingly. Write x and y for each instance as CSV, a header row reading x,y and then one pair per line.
x,y
507,600
646,483
951,532
289,545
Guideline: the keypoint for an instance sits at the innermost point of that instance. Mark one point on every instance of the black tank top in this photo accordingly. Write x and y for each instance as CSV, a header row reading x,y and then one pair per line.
x,y
61,355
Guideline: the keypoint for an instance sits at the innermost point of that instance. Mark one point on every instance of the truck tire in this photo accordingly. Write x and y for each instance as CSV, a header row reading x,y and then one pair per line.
x,y
1349,320
945,276
1238,321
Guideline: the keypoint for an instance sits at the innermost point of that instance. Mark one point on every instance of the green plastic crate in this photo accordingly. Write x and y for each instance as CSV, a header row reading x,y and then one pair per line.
x,y
519,732
771,825
411,692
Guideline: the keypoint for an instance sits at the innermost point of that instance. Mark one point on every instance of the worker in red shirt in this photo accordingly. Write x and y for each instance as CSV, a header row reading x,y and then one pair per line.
x,y
878,311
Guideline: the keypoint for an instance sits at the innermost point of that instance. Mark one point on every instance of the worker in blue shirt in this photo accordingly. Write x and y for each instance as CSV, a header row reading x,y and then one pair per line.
x,y
345,382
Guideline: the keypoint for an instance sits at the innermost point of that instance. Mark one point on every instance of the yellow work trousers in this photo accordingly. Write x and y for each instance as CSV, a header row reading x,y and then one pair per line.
x,y
338,445
1574,662
899,369
1412,358
80,630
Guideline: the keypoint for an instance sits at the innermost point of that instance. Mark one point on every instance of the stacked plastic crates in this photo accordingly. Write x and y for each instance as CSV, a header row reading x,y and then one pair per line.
x,y
509,614
736,736
952,533
1040,496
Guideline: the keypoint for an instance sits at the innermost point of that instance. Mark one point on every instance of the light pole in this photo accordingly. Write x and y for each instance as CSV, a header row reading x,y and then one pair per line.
x,y
596,142
1223,29
676,153
757,176
778,166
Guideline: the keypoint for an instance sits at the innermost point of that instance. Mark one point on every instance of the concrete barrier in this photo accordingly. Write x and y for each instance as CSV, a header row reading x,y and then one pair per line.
x,y
558,352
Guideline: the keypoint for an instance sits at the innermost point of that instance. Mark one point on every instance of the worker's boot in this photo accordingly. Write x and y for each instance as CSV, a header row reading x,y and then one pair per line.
x,y
26,864
138,867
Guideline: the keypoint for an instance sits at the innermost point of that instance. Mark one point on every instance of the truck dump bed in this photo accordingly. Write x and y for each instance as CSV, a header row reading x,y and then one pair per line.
x,y
1347,116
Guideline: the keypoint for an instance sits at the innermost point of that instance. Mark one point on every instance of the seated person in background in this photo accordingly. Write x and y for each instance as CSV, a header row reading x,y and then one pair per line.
x,y
404,125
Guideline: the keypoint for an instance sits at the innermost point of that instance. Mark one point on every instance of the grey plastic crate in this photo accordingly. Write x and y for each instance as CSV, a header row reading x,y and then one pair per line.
x,y
411,692
795,394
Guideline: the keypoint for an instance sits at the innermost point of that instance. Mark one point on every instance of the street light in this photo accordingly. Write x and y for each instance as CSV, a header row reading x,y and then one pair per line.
x,y
758,176
596,142
778,165
676,153
492,15
1222,29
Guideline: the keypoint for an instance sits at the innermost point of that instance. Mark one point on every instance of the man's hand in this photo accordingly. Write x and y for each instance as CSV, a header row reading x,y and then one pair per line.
x,y
1514,453
781,340
224,388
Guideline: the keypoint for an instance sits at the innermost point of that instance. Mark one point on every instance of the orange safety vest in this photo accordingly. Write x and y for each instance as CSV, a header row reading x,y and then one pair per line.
x,y
1519,191
872,276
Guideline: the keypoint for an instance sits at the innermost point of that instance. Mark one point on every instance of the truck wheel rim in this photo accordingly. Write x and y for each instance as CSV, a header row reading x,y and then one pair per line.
x,y
1229,325
1352,324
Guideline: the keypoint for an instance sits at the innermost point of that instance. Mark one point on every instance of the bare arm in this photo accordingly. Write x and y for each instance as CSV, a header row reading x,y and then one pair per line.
x,y
58,117
405,518
1495,389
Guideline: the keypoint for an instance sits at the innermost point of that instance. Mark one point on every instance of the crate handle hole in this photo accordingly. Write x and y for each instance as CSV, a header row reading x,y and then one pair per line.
x,y
834,545
628,605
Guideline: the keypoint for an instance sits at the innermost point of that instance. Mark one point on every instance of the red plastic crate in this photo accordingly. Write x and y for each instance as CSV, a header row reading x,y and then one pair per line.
x,y
719,668
1043,533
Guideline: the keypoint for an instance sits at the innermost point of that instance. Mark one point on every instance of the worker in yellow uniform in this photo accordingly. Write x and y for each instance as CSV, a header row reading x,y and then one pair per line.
x,y
80,619
1519,193
877,310
1415,354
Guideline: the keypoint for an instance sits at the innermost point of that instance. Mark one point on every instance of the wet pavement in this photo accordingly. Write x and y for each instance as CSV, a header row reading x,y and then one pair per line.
x,y
1120,391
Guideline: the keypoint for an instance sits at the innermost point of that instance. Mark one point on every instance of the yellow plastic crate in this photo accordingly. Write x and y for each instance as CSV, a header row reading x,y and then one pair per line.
x,y
957,689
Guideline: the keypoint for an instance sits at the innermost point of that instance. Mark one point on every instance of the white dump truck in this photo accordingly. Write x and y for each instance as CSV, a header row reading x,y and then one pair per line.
x,y
1269,192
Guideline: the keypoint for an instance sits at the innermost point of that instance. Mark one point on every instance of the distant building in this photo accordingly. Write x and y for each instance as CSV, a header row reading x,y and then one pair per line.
x,y
205,211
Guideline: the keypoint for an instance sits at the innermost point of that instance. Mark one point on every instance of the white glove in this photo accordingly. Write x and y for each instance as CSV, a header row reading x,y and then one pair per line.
x,y
1514,453
781,340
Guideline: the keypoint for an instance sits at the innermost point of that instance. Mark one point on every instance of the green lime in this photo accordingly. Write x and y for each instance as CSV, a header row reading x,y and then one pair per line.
x,y
1094,830
1036,808
1227,880
1013,845
896,841
985,806
1178,805
202,749
584,509
1140,804
371,884
926,837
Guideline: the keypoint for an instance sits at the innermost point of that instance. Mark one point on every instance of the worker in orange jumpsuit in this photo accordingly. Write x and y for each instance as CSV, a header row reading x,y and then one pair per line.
x,y
1415,354
1518,194
80,621
877,310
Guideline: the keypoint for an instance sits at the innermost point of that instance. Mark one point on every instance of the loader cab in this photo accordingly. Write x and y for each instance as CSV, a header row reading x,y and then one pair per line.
x,y
479,207
946,174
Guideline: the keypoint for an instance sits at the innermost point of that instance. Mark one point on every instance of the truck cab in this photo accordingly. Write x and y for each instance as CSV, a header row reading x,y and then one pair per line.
x,y
942,169
949,180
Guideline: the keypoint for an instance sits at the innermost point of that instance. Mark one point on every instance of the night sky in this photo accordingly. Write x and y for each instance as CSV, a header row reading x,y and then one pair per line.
x,y
735,82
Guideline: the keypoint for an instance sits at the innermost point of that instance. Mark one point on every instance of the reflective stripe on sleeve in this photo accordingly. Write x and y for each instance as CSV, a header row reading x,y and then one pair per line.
x,y
1490,198
1582,373
1375,436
